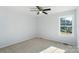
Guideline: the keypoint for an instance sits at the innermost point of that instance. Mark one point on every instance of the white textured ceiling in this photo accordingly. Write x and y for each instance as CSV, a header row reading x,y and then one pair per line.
x,y
54,9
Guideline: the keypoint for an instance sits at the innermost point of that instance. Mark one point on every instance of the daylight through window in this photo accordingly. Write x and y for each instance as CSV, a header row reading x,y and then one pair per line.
x,y
66,24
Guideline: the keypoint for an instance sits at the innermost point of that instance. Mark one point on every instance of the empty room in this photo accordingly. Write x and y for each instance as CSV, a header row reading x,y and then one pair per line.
x,y
39,29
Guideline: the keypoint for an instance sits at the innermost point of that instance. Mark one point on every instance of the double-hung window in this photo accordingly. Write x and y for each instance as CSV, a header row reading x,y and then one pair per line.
x,y
66,24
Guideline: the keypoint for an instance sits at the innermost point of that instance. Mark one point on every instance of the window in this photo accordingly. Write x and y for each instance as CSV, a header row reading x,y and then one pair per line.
x,y
66,24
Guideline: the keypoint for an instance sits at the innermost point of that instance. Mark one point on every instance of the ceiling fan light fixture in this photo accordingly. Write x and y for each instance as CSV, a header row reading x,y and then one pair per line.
x,y
40,11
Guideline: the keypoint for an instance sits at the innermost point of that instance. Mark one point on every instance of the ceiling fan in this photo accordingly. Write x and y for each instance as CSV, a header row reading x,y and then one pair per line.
x,y
41,10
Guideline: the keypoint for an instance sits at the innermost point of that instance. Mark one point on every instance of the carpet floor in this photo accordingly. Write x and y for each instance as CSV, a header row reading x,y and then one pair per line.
x,y
37,45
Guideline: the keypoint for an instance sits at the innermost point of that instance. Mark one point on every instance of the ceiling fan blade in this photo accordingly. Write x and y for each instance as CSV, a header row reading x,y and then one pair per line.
x,y
46,9
33,10
45,12
37,13
39,8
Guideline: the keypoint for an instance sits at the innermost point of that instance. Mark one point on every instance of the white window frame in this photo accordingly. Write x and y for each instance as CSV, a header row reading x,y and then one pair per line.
x,y
72,25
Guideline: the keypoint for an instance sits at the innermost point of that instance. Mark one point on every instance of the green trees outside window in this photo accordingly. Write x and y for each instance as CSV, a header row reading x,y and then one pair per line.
x,y
66,24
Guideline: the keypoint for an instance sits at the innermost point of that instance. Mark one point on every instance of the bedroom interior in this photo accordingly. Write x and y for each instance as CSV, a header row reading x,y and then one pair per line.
x,y
39,29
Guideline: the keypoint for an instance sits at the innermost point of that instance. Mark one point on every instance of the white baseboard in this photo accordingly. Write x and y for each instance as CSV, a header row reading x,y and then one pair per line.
x,y
17,41
49,38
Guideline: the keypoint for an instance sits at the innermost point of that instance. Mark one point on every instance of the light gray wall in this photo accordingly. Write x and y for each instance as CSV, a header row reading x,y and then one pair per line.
x,y
15,27
49,27
77,27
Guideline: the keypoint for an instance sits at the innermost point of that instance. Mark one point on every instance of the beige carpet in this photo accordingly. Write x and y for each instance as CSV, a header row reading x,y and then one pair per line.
x,y
37,46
